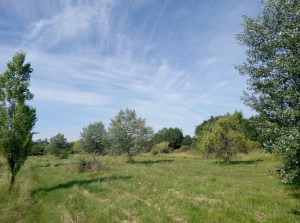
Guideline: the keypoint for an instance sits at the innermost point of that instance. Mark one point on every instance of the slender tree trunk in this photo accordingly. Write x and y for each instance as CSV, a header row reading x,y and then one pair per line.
x,y
94,156
130,160
12,181
227,158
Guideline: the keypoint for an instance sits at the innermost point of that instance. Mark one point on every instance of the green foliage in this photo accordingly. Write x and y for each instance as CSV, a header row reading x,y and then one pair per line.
x,y
172,135
202,129
251,129
272,66
187,141
288,146
253,145
83,165
206,126
183,149
78,146
17,119
94,138
63,153
129,134
39,147
162,147
227,137
59,146
37,150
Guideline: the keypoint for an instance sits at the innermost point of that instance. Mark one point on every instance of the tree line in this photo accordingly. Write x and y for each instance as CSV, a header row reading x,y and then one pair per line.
x,y
221,136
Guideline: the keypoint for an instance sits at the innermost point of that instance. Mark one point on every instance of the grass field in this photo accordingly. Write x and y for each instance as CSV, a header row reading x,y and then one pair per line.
x,y
174,188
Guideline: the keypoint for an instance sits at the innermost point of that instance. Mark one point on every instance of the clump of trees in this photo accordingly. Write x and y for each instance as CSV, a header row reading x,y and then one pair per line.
x,y
59,146
173,136
187,141
272,67
17,119
127,133
39,147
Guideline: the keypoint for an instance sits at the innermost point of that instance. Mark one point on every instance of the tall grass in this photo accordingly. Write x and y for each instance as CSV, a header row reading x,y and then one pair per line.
x,y
169,188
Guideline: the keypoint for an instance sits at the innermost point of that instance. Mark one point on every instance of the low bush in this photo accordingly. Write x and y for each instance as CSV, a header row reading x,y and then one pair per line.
x,y
37,150
254,146
83,165
183,149
162,147
63,154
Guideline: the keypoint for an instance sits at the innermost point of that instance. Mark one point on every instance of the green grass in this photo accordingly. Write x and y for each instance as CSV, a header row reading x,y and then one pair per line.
x,y
169,188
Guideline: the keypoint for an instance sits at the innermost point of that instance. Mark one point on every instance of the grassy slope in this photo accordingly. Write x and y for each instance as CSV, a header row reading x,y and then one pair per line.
x,y
155,189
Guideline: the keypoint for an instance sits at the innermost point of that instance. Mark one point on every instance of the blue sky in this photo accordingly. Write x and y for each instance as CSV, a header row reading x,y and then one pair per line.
x,y
172,61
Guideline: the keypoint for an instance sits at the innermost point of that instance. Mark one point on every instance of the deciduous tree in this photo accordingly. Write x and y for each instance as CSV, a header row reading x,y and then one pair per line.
x,y
202,129
59,146
187,141
17,119
226,138
129,133
273,68
94,138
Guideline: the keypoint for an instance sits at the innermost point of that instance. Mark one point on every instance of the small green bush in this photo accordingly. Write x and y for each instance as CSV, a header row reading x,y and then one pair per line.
x,y
83,165
162,147
63,154
183,149
253,146
37,150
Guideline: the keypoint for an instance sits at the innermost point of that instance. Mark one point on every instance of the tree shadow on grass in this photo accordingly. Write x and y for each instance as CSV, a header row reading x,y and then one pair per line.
x,y
296,212
79,183
248,162
294,189
147,162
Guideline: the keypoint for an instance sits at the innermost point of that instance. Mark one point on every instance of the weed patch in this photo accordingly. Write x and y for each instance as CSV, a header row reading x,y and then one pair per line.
x,y
83,165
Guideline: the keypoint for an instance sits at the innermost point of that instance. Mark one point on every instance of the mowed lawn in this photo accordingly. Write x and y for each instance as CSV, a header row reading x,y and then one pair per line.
x,y
154,189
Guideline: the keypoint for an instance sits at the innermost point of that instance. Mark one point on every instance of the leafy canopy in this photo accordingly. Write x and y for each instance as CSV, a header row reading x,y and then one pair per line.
x,y
204,128
129,133
59,146
172,135
273,68
94,138
226,138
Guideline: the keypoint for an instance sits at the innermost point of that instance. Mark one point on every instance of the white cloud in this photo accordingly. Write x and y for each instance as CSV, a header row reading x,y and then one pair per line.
x,y
70,96
73,21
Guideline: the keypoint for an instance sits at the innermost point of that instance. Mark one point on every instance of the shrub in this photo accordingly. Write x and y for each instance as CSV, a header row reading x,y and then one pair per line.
x,y
162,147
37,150
253,146
63,154
83,165
183,149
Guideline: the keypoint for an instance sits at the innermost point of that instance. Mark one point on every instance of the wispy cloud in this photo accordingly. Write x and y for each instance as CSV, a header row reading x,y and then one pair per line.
x,y
171,61
74,21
